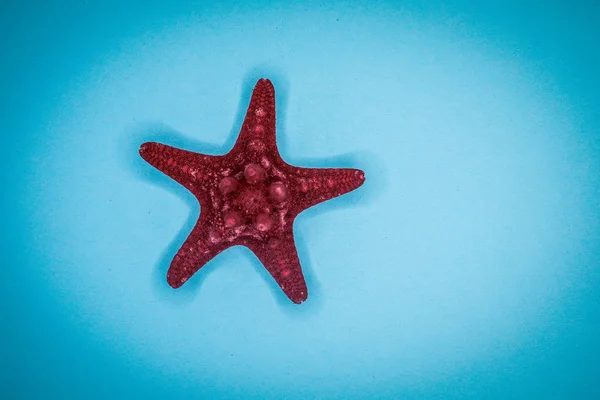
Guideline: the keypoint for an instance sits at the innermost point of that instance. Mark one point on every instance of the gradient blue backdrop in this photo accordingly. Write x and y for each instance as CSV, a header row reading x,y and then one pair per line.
x,y
467,266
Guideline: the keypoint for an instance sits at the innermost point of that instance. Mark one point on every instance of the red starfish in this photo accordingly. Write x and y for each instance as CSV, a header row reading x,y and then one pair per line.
x,y
249,197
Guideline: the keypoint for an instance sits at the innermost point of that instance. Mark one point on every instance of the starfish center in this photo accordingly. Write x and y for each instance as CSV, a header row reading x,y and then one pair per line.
x,y
252,197
252,200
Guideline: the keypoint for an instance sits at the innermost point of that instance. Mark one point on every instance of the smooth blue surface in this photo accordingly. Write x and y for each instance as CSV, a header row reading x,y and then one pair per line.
x,y
467,266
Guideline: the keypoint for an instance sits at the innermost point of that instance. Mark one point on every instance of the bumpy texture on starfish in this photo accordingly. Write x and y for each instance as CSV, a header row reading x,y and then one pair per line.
x,y
249,197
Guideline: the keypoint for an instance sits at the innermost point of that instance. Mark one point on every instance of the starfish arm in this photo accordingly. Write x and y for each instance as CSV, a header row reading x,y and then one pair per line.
x,y
311,186
202,245
280,258
192,170
258,130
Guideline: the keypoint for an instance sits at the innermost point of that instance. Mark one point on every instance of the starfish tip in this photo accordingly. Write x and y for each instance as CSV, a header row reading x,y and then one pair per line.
x,y
175,281
299,298
145,149
262,82
360,176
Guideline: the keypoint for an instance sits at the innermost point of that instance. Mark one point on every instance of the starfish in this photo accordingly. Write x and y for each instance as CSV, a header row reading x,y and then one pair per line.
x,y
249,197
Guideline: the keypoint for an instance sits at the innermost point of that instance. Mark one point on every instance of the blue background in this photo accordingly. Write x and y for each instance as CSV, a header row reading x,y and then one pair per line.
x,y
467,266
